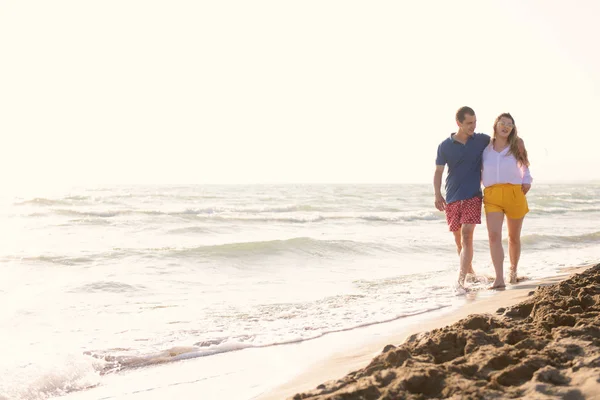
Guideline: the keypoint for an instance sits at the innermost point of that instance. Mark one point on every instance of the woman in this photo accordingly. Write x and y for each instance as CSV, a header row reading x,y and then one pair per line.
x,y
507,180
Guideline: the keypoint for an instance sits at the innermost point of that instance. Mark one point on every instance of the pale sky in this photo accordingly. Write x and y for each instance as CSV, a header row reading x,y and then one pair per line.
x,y
279,91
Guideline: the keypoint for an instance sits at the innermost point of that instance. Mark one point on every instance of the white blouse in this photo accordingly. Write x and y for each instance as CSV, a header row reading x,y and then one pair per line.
x,y
500,167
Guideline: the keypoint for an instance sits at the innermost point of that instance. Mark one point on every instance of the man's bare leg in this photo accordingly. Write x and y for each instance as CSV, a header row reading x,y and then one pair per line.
x,y
458,241
466,252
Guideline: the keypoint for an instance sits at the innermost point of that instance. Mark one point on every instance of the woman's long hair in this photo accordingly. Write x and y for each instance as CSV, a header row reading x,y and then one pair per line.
x,y
513,141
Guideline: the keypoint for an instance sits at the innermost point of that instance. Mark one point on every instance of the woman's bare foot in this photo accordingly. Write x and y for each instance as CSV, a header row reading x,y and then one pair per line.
x,y
470,270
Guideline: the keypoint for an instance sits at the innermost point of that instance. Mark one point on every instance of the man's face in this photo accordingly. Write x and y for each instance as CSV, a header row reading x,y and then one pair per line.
x,y
468,125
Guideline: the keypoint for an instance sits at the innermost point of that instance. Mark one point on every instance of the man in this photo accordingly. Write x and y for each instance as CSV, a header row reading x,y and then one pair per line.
x,y
462,151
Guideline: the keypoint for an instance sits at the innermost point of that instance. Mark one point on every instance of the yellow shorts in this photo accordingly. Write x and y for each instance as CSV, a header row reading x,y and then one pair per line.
x,y
506,198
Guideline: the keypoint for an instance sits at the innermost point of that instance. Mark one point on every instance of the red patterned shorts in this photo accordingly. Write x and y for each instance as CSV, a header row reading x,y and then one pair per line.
x,y
463,212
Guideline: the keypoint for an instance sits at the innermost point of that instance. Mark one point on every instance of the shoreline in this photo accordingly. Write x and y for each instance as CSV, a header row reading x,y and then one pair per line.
x,y
359,355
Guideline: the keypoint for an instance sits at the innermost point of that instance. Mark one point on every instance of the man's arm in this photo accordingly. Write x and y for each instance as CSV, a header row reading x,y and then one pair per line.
x,y
440,203
526,185
521,146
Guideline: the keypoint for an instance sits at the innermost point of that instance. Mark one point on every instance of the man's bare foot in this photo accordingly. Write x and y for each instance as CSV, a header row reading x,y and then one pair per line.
x,y
512,277
459,289
498,285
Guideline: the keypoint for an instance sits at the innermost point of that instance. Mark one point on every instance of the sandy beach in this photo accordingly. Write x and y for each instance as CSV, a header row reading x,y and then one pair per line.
x,y
535,340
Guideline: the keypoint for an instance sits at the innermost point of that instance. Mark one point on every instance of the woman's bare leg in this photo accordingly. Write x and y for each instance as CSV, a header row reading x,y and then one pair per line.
x,y
494,226
514,246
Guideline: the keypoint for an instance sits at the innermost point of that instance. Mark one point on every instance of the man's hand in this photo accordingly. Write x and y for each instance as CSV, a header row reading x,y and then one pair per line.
x,y
521,145
440,203
525,187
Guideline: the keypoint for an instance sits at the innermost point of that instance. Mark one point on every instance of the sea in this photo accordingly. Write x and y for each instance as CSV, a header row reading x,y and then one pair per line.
x,y
99,280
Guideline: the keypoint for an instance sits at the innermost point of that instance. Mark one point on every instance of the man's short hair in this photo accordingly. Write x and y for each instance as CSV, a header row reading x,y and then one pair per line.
x,y
463,112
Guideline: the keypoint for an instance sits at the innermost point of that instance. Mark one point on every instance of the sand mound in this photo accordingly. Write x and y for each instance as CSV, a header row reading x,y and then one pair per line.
x,y
545,347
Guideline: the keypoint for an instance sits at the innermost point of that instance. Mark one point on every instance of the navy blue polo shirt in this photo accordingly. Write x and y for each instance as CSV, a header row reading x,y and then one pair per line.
x,y
464,166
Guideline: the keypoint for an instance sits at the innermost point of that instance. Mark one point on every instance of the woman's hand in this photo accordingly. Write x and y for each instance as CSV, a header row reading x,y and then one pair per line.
x,y
525,187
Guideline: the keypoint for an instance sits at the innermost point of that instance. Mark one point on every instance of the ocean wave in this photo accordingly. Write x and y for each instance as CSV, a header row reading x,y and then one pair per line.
x,y
59,260
46,202
330,216
537,209
66,260
404,216
302,245
283,215
299,246
108,286
581,201
553,240
233,214
376,285
211,213
45,380
116,361
99,214
87,221
268,218
274,208
534,209
190,230
588,209
302,213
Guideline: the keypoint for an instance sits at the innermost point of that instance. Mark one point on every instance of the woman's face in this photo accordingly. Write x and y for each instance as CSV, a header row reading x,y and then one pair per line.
x,y
504,127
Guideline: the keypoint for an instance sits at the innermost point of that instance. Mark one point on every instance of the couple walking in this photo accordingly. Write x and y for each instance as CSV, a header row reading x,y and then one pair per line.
x,y
500,163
